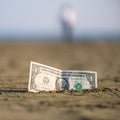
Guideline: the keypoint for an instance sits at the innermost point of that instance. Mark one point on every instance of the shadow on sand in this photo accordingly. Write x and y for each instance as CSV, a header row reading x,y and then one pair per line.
x,y
14,91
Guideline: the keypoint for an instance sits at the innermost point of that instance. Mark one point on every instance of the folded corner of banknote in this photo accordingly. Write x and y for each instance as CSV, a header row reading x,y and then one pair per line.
x,y
46,78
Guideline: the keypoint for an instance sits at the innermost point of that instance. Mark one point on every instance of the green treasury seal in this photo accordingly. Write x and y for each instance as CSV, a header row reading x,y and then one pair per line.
x,y
78,86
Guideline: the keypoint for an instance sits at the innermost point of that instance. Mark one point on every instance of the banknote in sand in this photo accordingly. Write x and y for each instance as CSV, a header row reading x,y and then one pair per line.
x,y
46,78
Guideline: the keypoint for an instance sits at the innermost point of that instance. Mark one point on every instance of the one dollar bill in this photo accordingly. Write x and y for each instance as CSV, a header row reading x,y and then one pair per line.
x,y
46,78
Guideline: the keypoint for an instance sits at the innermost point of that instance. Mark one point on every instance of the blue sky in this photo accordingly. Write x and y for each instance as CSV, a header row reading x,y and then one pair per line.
x,y
41,15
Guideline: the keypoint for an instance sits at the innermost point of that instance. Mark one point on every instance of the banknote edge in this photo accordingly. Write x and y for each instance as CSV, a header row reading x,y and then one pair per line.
x,y
29,90
32,62
30,72
79,71
96,80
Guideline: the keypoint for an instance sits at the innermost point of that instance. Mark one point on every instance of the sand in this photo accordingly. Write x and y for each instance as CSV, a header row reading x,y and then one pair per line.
x,y
99,104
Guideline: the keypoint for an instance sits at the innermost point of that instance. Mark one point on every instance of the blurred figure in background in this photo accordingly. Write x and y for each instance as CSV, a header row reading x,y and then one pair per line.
x,y
67,21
